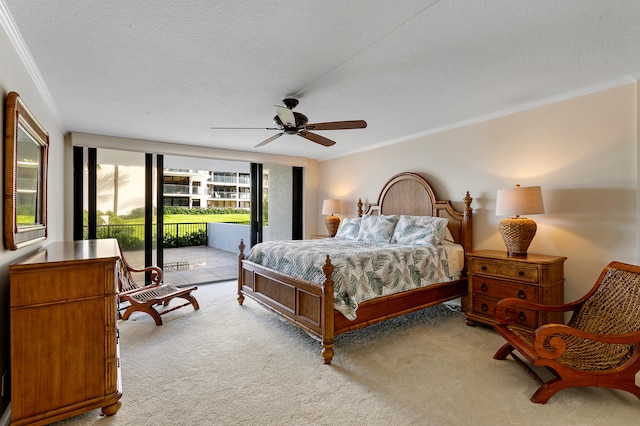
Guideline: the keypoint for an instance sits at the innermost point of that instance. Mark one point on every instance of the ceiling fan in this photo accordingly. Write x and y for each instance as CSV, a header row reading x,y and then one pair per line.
x,y
294,123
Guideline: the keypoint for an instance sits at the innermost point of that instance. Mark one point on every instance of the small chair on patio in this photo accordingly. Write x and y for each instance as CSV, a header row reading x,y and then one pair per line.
x,y
145,298
600,346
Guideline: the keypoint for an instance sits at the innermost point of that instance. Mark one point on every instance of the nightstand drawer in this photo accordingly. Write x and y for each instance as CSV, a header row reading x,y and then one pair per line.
x,y
486,306
518,271
485,286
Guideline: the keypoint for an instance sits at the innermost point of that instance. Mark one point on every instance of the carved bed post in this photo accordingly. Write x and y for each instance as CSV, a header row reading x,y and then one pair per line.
x,y
467,230
359,207
327,314
241,247
467,235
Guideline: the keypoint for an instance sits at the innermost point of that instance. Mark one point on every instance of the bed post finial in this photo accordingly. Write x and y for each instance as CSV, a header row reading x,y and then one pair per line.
x,y
359,207
467,202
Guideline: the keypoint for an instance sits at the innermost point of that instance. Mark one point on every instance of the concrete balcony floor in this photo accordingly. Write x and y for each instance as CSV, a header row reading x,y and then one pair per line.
x,y
193,265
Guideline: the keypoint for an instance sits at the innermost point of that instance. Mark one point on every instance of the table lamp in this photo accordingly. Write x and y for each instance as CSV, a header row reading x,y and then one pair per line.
x,y
518,232
331,207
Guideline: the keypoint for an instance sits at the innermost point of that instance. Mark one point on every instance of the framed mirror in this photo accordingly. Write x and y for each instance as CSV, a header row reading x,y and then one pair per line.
x,y
26,149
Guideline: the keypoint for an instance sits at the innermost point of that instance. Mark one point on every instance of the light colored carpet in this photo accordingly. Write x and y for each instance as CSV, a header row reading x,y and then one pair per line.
x,y
231,365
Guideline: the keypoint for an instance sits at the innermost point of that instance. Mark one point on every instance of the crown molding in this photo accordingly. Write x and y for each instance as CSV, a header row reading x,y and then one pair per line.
x,y
10,28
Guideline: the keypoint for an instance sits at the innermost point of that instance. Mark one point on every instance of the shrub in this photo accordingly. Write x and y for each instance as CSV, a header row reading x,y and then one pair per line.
x,y
197,238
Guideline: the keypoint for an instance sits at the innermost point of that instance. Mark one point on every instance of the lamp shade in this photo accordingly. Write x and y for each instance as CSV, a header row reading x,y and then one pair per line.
x,y
519,201
331,207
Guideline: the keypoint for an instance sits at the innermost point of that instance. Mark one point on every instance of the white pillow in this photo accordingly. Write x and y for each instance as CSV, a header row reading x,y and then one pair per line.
x,y
349,228
377,228
448,237
420,230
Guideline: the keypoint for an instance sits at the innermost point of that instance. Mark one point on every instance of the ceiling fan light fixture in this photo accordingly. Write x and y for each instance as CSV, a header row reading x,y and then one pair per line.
x,y
295,123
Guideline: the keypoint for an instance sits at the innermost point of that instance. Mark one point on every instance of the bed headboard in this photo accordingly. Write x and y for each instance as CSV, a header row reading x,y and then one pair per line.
x,y
410,194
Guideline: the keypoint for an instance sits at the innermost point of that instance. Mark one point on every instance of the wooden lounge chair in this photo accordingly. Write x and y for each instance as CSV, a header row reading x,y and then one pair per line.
x,y
136,298
600,346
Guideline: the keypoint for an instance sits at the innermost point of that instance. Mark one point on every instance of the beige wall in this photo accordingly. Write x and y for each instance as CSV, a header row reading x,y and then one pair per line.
x,y
582,151
14,77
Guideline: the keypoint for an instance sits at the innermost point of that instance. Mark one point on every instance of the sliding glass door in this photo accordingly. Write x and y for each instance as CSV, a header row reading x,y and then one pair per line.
x,y
114,199
175,211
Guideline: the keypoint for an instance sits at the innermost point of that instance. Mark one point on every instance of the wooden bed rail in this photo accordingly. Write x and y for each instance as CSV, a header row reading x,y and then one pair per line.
x,y
308,305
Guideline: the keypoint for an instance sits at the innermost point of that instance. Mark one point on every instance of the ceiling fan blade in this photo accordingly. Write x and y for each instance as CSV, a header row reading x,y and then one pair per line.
x,y
244,128
286,116
271,139
316,138
337,125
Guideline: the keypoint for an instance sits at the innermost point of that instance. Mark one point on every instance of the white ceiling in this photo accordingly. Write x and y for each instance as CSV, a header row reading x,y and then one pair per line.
x,y
168,70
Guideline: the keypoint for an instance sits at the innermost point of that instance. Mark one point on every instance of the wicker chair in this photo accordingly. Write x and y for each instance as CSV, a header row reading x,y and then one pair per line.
x,y
135,298
600,346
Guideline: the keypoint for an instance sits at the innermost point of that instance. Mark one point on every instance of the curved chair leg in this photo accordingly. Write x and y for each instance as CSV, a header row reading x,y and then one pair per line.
x,y
503,352
188,297
550,388
553,386
193,301
631,388
154,314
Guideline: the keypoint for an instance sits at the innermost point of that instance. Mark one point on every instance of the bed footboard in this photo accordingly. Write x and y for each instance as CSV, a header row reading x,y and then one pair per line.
x,y
306,304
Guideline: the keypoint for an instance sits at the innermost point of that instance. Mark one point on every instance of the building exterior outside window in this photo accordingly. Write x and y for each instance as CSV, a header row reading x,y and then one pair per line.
x,y
200,188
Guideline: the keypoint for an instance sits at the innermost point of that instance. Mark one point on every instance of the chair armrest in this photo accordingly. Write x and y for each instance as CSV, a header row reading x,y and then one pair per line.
x,y
505,306
548,342
156,273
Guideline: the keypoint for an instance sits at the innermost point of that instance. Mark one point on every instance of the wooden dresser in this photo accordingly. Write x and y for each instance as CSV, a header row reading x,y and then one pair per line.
x,y
494,276
64,342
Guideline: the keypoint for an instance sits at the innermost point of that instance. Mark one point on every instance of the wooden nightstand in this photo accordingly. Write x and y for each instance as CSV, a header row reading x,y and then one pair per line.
x,y
494,276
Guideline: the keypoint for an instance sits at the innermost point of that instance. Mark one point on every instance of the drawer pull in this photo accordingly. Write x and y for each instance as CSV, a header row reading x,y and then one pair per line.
x,y
484,268
522,294
521,273
484,287
484,307
522,316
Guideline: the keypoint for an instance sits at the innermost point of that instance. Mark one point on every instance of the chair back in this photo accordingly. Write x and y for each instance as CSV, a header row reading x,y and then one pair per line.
x,y
125,280
611,307
614,306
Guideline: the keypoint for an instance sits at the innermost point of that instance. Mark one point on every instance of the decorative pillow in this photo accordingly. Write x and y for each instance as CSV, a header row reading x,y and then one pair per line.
x,y
349,228
420,230
448,237
377,228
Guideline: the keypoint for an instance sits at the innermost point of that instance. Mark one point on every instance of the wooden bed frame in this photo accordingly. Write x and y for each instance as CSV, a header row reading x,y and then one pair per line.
x,y
310,305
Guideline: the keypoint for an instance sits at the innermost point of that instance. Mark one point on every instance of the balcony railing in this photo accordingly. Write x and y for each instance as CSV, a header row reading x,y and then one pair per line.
x,y
233,180
223,195
173,189
173,234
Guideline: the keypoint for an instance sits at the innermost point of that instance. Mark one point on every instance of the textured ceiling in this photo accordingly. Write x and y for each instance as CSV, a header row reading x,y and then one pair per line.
x,y
169,70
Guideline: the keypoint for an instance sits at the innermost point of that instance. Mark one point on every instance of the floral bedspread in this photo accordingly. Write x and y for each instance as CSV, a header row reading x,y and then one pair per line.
x,y
363,270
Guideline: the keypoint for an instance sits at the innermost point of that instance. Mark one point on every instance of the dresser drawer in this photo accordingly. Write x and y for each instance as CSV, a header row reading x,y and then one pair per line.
x,y
486,286
518,271
486,306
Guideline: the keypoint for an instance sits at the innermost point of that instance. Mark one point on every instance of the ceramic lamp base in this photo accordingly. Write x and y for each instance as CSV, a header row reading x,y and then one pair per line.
x,y
517,233
332,222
